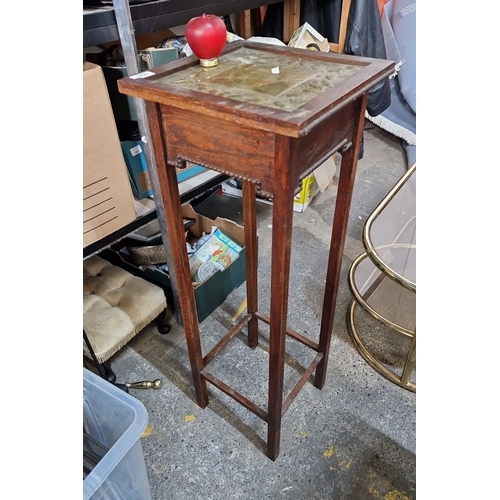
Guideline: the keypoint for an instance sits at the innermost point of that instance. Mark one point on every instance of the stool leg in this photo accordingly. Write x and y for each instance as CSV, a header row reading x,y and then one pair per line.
x,y
160,323
251,256
104,369
339,230
280,275
99,366
109,374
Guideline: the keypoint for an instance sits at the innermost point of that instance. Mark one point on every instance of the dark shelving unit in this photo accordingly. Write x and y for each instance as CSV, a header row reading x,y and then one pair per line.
x,y
99,23
100,26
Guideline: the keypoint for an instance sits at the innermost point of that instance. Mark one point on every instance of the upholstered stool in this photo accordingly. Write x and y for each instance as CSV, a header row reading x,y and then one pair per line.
x,y
116,306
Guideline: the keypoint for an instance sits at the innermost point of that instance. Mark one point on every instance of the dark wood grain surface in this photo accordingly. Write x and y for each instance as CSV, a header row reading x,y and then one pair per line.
x,y
268,149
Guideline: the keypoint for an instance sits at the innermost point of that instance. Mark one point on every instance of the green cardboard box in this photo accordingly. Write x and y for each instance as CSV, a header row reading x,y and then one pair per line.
x,y
212,292
152,57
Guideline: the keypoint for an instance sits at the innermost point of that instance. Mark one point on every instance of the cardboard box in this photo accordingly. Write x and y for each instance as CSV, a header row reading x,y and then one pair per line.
x,y
137,167
108,204
319,180
306,37
212,292
153,57
308,190
191,170
324,174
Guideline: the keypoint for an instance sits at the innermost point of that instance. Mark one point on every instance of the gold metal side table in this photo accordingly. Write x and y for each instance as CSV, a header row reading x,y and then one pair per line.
x,y
383,282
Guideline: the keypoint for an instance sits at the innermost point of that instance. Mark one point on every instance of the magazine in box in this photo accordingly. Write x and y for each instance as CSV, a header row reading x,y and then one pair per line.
x,y
216,254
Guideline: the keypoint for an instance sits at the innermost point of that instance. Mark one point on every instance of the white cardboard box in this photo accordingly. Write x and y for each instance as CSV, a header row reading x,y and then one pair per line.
x,y
306,37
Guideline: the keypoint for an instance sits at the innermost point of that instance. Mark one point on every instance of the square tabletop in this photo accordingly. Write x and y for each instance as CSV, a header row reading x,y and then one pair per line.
x,y
252,76
278,87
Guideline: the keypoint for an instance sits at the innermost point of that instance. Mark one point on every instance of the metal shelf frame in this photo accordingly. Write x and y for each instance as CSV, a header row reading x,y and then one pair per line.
x,y
122,22
126,34
100,23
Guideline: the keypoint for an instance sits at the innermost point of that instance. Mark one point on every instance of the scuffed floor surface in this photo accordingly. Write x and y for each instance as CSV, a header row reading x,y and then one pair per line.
x,y
354,439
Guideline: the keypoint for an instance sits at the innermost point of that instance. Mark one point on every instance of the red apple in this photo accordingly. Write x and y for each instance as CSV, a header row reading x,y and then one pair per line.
x,y
206,35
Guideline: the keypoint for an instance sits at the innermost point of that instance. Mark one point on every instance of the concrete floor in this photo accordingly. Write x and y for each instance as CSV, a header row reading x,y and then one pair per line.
x,y
354,439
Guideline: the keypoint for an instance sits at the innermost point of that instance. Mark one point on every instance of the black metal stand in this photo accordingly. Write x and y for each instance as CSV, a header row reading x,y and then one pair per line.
x,y
104,369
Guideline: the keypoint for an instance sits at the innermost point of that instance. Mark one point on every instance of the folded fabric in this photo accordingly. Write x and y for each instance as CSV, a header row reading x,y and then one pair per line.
x,y
399,30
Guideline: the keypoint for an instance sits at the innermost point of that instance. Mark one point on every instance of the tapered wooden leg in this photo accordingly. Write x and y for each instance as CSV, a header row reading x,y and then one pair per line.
x,y
251,259
180,274
339,229
187,303
280,275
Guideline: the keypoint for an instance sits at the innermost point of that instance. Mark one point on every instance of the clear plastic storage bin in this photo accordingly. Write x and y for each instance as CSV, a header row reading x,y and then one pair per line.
x,y
113,422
